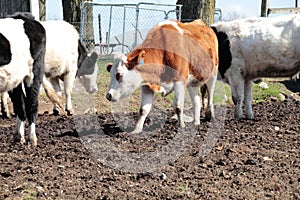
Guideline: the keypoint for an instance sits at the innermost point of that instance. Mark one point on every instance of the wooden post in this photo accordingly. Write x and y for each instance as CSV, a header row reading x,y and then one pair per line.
x,y
264,8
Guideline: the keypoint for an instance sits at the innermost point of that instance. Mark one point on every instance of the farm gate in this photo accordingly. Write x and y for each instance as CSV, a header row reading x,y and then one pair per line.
x,y
121,27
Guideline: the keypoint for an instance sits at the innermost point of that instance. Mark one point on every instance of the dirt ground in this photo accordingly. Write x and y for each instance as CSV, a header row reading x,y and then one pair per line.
x,y
91,156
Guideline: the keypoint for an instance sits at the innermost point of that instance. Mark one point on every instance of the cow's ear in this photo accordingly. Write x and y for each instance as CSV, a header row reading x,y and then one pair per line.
x,y
109,66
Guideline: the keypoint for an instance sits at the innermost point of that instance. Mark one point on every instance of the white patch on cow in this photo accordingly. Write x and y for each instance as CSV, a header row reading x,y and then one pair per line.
x,y
32,135
129,82
195,99
166,88
14,72
179,92
20,130
4,104
146,107
173,23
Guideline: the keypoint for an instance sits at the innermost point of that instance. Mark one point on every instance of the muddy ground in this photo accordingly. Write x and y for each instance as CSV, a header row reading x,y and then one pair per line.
x,y
92,157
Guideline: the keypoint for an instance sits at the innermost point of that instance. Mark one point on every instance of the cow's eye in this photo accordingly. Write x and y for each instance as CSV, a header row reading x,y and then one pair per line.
x,y
118,76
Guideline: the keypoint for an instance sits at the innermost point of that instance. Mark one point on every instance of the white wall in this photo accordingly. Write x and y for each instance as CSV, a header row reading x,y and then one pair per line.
x,y
34,8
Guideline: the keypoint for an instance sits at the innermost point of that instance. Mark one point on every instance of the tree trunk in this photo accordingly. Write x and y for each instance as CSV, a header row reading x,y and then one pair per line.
x,y
42,7
72,14
72,10
197,9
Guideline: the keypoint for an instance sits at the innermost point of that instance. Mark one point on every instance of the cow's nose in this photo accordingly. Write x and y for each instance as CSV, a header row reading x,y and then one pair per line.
x,y
94,90
108,96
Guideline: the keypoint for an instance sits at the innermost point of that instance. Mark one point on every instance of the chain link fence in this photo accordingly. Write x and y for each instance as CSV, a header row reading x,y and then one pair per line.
x,y
121,27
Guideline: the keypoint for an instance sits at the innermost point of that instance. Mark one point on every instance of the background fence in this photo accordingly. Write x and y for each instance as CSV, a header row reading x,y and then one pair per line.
x,y
120,27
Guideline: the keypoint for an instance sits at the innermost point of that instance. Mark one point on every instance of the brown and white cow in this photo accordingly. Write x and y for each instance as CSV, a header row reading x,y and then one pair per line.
x,y
173,56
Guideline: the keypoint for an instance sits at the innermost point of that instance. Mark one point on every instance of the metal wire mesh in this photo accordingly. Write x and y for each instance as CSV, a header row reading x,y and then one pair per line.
x,y
121,27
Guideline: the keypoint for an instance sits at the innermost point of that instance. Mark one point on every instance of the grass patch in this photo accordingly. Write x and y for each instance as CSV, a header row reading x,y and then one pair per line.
x,y
275,88
29,194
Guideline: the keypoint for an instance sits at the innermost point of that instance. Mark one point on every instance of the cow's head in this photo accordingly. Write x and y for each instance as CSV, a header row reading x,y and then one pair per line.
x,y
87,69
124,78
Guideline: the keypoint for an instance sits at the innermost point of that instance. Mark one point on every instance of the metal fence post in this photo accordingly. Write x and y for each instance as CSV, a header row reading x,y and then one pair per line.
x,y
123,34
136,24
82,22
109,26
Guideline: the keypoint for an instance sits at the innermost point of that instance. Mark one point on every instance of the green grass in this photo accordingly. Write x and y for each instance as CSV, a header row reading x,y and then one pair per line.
x,y
29,194
275,88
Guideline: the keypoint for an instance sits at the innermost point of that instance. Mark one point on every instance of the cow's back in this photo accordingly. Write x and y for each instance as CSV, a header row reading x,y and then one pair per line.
x,y
189,48
207,40
61,48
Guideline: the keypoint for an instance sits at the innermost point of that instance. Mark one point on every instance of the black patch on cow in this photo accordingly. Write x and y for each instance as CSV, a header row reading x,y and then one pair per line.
x,y
86,64
225,57
82,53
5,51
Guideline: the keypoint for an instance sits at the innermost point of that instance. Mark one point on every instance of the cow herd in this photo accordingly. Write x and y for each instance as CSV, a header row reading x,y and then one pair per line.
x,y
174,57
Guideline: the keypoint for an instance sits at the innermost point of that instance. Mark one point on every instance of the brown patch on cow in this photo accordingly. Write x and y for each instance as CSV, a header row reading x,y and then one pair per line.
x,y
170,56
154,87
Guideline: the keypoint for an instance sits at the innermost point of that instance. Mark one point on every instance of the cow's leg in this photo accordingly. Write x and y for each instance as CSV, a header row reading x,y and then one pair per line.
x,y
17,97
211,84
195,99
237,91
179,90
68,86
55,84
146,104
31,108
4,105
248,100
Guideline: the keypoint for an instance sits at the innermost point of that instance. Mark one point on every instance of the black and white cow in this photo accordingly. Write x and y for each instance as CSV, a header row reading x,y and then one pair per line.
x,y
22,52
255,48
66,58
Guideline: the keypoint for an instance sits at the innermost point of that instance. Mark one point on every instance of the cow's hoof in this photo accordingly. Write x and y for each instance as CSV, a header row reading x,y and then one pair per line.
x,y
19,139
70,112
55,112
238,117
197,123
135,132
33,139
6,115
250,116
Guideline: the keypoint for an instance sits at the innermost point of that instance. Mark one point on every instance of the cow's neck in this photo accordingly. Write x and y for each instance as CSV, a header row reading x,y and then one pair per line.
x,y
158,73
133,80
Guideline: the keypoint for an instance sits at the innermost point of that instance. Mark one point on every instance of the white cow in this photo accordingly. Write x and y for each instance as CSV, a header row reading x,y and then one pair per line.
x,y
255,48
66,59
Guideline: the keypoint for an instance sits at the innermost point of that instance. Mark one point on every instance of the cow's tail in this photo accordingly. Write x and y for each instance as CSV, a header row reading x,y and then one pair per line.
x,y
52,95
